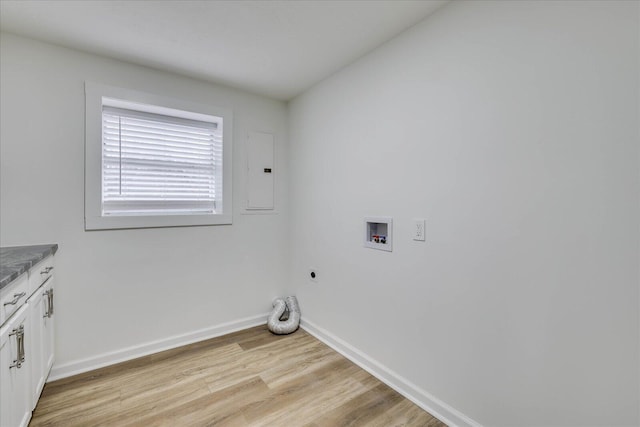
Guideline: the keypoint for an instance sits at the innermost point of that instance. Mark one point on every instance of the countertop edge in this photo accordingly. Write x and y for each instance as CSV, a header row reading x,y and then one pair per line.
x,y
24,266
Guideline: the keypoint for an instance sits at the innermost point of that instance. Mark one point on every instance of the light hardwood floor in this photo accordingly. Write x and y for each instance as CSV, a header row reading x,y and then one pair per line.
x,y
248,378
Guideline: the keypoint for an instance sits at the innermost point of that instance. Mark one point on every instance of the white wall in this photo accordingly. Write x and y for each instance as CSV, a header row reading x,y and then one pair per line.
x,y
117,289
512,127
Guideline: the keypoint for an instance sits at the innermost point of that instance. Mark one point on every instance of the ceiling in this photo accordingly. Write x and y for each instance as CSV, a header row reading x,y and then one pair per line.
x,y
274,48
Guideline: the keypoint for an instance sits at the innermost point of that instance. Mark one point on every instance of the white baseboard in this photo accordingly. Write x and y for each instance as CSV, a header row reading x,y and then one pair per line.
x,y
436,407
84,365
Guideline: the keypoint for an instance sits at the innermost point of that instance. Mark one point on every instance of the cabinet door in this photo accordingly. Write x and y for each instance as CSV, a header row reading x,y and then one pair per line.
x,y
37,313
48,335
15,371
6,378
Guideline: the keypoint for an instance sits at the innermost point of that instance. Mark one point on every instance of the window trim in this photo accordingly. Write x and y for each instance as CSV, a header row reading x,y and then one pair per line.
x,y
94,94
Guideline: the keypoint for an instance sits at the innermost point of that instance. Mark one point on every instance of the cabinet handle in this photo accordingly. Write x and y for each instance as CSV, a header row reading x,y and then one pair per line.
x,y
20,356
21,344
51,302
16,298
46,270
49,294
48,304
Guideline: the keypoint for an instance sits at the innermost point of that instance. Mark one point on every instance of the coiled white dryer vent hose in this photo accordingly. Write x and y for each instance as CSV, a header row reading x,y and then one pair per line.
x,y
282,327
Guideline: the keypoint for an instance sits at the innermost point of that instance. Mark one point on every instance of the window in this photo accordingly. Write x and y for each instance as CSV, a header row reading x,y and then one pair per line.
x,y
159,165
154,161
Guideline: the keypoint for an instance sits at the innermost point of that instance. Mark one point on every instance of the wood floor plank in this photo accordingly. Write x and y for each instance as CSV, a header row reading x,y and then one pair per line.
x,y
405,413
216,408
253,362
77,411
290,368
364,408
248,378
307,406
287,394
265,338
176,391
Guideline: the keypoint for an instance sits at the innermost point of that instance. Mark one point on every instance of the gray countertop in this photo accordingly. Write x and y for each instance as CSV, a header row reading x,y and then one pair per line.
x,y
15,260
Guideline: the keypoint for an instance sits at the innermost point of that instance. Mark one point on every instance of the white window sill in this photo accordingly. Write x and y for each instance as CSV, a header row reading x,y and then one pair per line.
x,y
124,222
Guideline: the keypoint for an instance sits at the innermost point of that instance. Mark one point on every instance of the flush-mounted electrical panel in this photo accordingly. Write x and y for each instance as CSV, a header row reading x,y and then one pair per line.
x,y
378,233
260,171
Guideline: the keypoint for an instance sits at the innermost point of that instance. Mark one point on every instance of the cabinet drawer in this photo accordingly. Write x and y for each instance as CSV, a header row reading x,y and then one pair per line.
x,y
39,273
13,296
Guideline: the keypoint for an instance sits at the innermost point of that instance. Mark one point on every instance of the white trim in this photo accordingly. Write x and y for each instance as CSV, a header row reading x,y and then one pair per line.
x,y
436,407
84,365
245,211
94,220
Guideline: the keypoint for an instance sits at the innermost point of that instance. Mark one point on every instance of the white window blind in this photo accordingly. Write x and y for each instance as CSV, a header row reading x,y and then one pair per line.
x,y
154,164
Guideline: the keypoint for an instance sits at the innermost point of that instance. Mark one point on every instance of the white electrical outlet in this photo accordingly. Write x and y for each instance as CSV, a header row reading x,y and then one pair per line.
x,y
418,229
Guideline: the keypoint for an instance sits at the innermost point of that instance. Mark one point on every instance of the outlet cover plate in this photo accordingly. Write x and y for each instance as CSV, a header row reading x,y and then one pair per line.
x,y
418,230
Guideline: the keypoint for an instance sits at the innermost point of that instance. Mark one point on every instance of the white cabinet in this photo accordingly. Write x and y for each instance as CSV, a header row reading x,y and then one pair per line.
x,y
15,402
48,320
6,353
26,342
41,309
13,297
40,273
36,312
